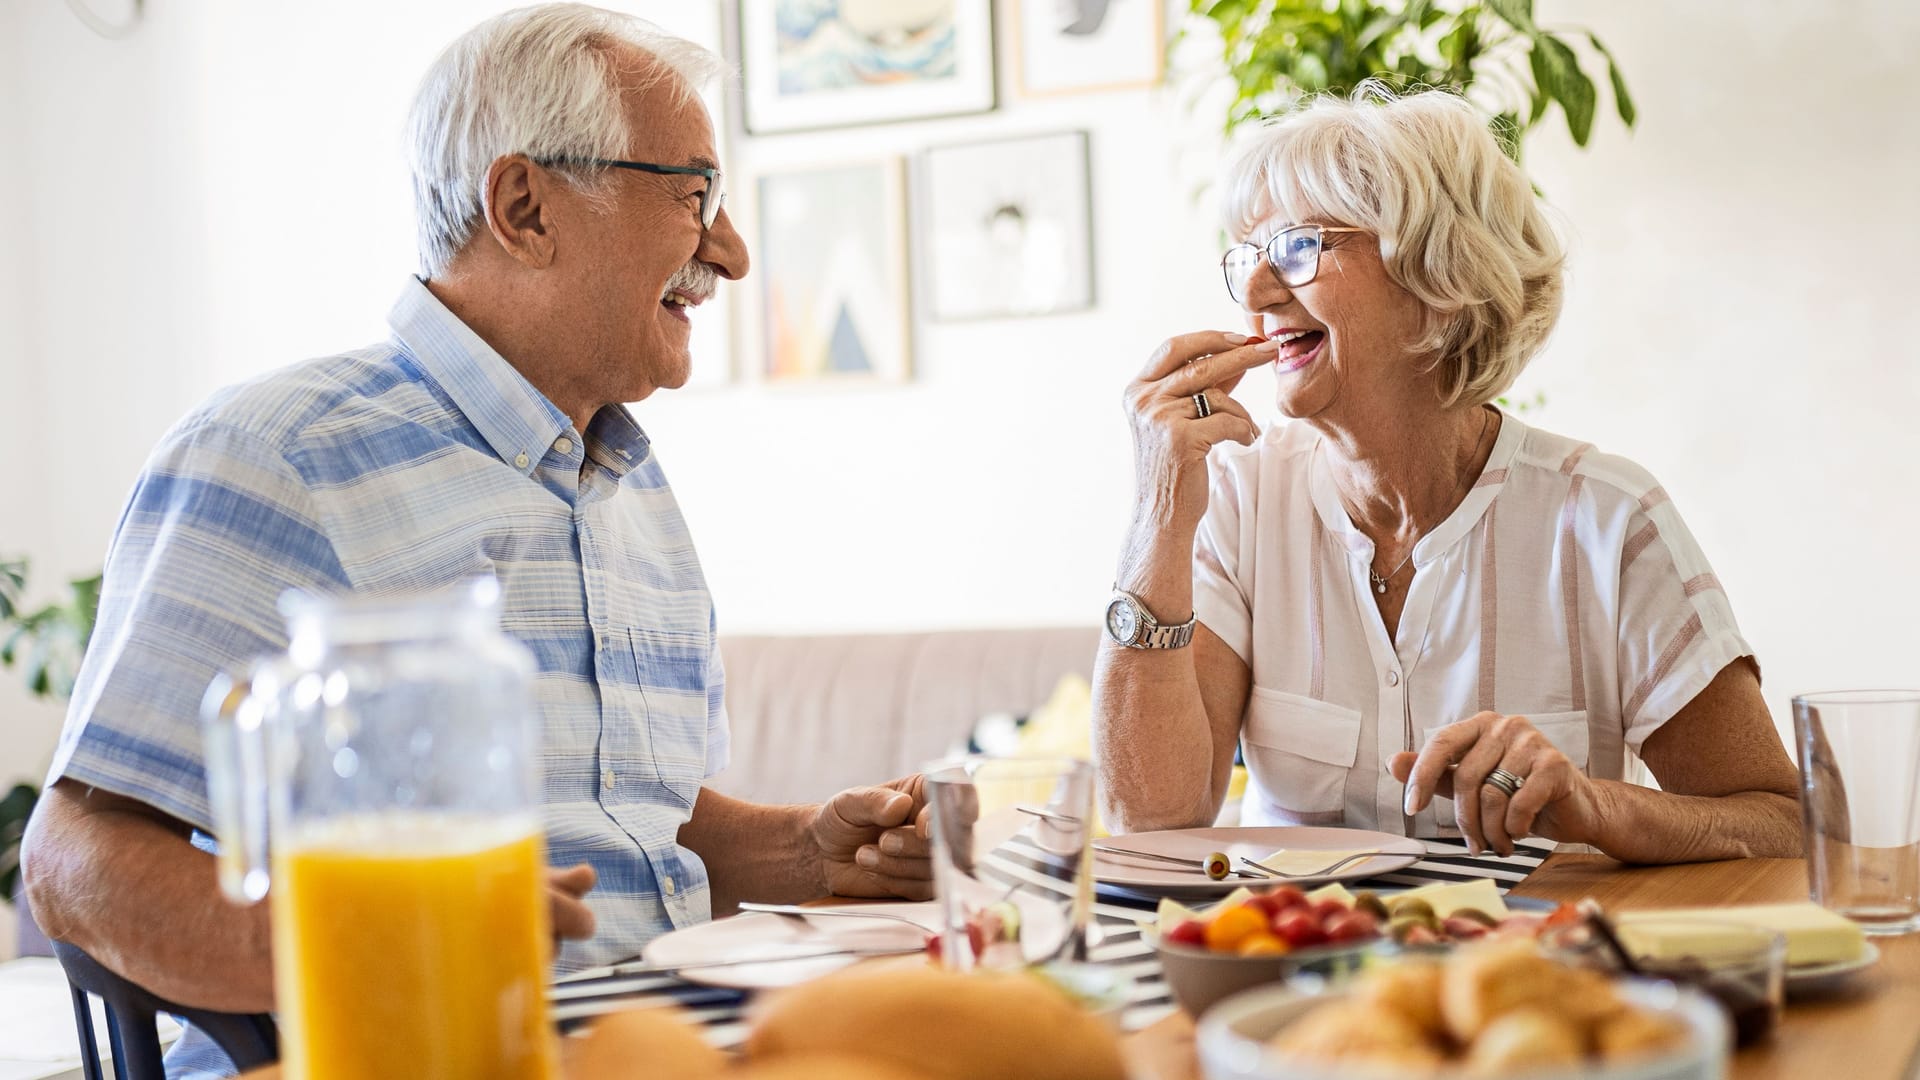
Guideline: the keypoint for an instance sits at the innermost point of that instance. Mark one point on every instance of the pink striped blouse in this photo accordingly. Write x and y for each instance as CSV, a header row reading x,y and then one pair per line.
x,y
1564,588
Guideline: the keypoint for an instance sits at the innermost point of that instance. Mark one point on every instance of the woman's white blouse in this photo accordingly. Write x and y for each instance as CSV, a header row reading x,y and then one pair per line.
x,y
1564,588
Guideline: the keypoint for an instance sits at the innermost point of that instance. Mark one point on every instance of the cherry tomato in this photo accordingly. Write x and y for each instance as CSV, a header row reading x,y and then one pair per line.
x,y
1299,928
1226,930
1329,909
1188,932
1286,896
1352,926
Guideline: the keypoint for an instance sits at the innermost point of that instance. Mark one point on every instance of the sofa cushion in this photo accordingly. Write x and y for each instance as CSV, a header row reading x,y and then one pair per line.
x,y
811,715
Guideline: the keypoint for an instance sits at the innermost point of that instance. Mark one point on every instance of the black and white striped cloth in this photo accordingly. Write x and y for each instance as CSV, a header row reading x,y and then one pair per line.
x,y
1115,938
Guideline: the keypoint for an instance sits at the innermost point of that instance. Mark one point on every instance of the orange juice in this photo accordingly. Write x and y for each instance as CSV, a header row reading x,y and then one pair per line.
x,y
411,945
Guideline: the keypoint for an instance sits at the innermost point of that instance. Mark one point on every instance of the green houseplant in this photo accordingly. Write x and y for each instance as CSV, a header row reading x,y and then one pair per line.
x,y
46,644
1492,51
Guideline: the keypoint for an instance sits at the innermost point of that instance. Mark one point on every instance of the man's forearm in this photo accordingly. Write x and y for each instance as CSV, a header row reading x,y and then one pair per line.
x,y
129,887
1643,825
754,852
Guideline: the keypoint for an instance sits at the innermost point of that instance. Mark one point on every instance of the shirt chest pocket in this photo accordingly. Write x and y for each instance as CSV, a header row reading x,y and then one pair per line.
x,y
664,722
1300,750
1567,731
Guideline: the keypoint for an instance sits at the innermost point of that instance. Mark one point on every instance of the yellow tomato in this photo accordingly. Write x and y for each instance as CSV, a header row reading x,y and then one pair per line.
x,y
1261,943
1227,929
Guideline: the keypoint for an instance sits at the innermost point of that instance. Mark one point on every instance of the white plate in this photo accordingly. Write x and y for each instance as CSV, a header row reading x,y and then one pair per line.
x,y
760,934
1823,978
1252,843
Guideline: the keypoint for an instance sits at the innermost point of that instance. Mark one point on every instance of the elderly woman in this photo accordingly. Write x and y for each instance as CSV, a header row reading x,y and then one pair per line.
x,y
1410,610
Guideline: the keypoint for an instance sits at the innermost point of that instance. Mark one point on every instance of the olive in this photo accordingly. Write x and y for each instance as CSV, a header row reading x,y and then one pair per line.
x,y
1218,865
1476,915
1370,902
1410,905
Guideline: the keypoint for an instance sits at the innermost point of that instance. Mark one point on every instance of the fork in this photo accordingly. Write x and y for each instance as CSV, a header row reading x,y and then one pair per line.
x,y
1353,857
797,911
1196,865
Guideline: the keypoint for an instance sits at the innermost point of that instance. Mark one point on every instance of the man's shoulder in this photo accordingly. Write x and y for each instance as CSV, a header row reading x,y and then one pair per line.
x,y
284,408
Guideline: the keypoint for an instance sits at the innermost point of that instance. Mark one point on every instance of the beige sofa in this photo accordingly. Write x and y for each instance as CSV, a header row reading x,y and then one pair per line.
x,y
813,715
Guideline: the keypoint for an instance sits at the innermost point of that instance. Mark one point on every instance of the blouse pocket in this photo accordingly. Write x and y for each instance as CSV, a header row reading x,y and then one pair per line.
x,y
1300,750
1567,731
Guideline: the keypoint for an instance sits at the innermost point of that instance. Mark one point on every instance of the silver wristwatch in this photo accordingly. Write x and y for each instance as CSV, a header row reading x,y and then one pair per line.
x,y
1129,623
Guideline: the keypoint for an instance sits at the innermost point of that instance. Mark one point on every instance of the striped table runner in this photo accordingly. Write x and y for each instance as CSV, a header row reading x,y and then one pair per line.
x,y
1115,939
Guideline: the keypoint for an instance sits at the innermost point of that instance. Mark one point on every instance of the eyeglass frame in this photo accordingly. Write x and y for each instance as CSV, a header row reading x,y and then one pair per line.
x,y
1273,264
710,205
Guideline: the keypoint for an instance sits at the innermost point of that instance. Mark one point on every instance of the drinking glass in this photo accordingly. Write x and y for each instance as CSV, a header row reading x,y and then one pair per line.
x,y
1860,802
379,785
1012,862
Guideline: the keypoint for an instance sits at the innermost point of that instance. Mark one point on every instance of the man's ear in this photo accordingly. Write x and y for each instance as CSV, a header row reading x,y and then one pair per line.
x,y
519,211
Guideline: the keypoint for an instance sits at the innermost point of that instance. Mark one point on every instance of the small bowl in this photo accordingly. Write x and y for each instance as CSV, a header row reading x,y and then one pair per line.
x,y
1232,1038
1198,976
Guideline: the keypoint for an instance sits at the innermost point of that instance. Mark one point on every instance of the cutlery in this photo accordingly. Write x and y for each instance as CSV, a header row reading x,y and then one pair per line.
x,y
1198,866
1357,856
797,911
560,992
1064,819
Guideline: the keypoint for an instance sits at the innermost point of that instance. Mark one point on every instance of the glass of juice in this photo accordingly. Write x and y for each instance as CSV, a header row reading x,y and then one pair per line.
x,y
378,784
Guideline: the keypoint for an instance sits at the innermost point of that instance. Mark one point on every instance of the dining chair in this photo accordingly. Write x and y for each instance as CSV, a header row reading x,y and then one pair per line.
x,y
132,1023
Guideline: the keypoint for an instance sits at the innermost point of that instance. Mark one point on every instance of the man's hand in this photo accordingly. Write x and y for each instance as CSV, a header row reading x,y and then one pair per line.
x,y
873,841
572,919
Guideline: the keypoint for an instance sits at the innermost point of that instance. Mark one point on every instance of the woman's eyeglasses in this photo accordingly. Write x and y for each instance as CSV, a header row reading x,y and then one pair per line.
x,y
1293,254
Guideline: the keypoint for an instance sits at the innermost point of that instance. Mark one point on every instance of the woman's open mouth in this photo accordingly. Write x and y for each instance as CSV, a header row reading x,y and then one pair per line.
x,y
1298,348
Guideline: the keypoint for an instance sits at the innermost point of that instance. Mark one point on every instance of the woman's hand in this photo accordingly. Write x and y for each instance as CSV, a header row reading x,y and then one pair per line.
x,y
1555,799
1170,438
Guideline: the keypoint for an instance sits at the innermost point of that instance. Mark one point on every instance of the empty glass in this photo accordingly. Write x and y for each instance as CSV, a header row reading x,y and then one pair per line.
x,y
1860,800
1012,864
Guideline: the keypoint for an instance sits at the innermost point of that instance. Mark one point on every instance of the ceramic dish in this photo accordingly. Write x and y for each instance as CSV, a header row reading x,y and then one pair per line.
x,y
1151,876
1810,980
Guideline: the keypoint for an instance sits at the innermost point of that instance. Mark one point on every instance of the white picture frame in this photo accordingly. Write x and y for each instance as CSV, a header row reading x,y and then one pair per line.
x,y
1088,46
1006,228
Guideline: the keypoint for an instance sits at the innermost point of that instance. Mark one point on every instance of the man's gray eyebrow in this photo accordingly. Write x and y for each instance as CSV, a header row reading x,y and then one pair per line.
x,y
701,161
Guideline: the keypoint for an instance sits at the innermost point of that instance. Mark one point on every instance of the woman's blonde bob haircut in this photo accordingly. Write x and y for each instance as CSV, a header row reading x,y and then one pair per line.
x,y
1458,222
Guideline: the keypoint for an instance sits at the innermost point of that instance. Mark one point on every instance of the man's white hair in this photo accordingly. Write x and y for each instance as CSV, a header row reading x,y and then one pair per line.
x,y
542,81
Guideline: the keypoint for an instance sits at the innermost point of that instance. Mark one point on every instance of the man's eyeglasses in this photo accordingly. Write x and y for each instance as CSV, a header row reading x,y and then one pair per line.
x,y
1293,254
712,197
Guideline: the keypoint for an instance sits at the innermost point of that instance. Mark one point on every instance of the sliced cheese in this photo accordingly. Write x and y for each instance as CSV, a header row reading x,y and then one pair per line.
x,y
1332,891
1814,934
1480,895
1302,861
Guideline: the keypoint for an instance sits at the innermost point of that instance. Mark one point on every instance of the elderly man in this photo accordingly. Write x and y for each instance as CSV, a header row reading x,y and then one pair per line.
x,y
570,213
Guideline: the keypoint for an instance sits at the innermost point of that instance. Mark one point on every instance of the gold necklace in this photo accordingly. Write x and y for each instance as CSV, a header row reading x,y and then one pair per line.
x,y
1379,581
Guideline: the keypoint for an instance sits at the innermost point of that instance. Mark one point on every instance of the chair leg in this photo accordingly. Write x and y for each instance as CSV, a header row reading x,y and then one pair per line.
x,y
89,1045
136,1044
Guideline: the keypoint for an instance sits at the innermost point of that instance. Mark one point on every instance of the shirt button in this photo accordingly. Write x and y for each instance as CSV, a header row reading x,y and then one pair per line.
x,y
1393,678
564,446
667,884
520,461
606,779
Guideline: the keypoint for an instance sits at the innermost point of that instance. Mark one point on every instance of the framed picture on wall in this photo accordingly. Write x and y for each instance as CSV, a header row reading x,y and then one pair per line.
x,y
827,63
1008,227
832,266
1078,46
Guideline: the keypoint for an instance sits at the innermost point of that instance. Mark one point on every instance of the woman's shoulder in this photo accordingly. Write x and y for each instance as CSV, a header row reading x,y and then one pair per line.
x,y
1560,459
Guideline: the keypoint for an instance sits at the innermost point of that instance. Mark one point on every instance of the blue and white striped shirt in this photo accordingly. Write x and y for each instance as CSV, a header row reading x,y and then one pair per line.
x,y
413,465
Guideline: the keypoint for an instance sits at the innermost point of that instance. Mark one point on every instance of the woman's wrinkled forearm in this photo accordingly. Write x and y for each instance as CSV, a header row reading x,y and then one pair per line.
x,y
1644,825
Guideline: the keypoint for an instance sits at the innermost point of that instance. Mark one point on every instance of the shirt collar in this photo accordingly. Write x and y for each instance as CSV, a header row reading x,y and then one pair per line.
x,y
515,419
1333,512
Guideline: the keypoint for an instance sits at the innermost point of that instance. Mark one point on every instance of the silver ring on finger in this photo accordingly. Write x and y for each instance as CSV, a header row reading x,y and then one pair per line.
x,y
1505,782
1202,406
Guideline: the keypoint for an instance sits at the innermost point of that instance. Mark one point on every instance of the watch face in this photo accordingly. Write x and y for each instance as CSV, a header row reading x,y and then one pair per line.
x,y
1121,623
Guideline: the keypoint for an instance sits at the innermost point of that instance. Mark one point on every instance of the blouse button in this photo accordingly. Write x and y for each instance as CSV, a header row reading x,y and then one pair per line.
x,y
1393,678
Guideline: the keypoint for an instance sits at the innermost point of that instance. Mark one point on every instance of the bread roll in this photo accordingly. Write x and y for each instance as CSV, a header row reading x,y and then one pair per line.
x,y
1522,1041
1409,990
642,1042
1482,983
982,1026
822,1067
1355,1033
1633,1032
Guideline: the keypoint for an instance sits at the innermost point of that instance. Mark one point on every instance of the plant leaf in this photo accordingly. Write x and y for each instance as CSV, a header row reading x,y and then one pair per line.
x,y
1559,74
1621,99
1516,13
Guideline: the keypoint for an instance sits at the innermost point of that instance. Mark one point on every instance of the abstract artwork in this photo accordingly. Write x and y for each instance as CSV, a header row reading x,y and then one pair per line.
x,y
833,275
825,63
1075,46
1008,228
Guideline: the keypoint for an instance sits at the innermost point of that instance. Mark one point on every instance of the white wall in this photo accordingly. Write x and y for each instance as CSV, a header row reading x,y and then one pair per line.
x,y
221,194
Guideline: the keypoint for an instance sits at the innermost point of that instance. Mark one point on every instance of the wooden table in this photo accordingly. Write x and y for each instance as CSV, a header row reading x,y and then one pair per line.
x,y
1872,1033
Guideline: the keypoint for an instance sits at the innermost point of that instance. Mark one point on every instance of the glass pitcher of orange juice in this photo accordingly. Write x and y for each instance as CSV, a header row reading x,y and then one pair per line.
x,y
379,785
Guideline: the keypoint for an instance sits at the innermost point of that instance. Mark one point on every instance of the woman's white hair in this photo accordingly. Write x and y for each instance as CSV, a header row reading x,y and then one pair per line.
x,y
1459,225
542,81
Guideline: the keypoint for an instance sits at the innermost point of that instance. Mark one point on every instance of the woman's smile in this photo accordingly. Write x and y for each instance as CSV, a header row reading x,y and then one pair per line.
x,y
1298,348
